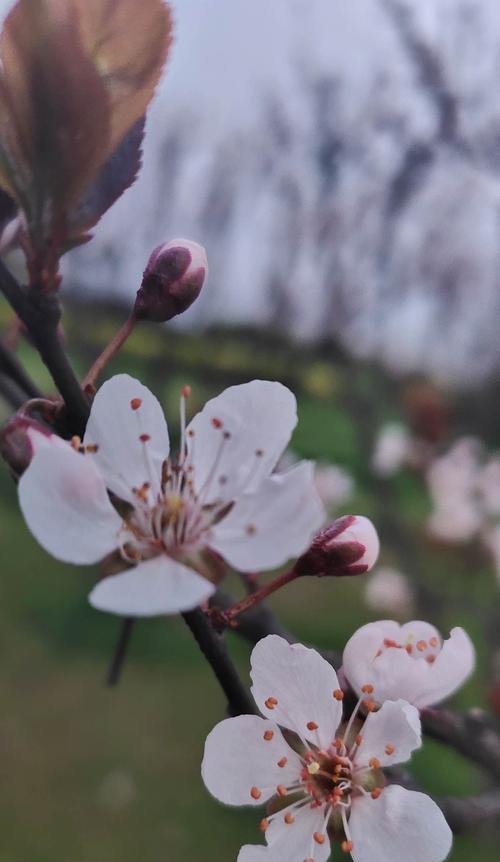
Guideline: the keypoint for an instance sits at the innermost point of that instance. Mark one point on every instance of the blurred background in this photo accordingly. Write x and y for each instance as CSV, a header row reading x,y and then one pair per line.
x,y
341,164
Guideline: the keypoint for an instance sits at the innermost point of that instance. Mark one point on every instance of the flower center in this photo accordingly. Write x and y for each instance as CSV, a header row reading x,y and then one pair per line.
x,y
169,515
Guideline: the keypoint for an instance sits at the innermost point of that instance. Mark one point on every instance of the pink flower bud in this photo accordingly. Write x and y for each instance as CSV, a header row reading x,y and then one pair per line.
x,y
20,440
348,546
172,280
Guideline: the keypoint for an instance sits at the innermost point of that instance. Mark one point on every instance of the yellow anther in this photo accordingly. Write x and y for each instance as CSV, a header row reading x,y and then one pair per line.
x,y
313,768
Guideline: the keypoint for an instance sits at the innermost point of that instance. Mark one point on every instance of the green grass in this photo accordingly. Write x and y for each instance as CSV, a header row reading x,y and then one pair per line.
x,y
97,775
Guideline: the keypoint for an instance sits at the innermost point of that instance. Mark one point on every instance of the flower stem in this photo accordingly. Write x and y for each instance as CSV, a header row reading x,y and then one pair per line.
x,y
252,599
109,351
120,653
214,649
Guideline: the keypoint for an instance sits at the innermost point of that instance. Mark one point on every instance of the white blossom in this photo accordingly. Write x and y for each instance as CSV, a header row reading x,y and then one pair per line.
x,y
409,661
120,491
326,773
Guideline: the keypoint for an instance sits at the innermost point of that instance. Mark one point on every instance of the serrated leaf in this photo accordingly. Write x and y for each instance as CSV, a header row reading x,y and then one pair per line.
x,y
128,42
115,177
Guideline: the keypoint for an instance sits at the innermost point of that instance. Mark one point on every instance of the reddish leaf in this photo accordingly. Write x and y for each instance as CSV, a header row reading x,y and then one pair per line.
x,y
129,42
53,106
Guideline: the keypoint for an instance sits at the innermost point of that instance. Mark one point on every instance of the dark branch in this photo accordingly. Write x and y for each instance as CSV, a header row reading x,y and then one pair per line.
x,y
11,393
41,315
469,812
260,621
121,649
214,649
10,366
473,734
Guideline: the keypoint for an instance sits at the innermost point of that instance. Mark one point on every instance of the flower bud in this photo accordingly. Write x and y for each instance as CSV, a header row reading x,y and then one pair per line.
x,y
172,280
348,546
21,438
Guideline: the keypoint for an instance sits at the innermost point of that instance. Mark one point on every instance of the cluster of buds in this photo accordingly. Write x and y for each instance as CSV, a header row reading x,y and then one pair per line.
x,y
172,280
348,546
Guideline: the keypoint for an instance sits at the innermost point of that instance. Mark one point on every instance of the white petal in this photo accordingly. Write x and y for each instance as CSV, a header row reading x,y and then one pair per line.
x,y
265,529
292,842
452,667
64,501
390,735
238,758
295,841
259,417
395,674
399,825
116,428
302,683
157,586
253,853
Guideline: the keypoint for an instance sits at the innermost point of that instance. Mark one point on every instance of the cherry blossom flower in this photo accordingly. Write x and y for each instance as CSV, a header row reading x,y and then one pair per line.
x,y
322,777
410,661
120,490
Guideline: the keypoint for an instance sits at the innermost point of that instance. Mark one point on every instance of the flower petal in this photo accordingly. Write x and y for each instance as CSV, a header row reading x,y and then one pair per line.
x,y
115,428
65,504
296,840
400,824
452,667
157,586
292,842
259,417
426,676
238,758
390,735
265,529
294,686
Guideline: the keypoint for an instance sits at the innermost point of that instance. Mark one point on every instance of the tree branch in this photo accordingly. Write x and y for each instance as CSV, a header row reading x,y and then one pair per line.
x,y
473,734
10,366
214,649
41,315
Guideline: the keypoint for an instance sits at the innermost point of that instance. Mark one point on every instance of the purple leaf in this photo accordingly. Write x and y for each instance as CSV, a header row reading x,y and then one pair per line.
x,y
114,178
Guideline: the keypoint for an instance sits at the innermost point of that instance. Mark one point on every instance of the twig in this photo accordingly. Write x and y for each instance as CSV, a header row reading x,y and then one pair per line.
x,y
227,617
214,649
10,392
10,366
109,351
260,621
120,653
41,315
